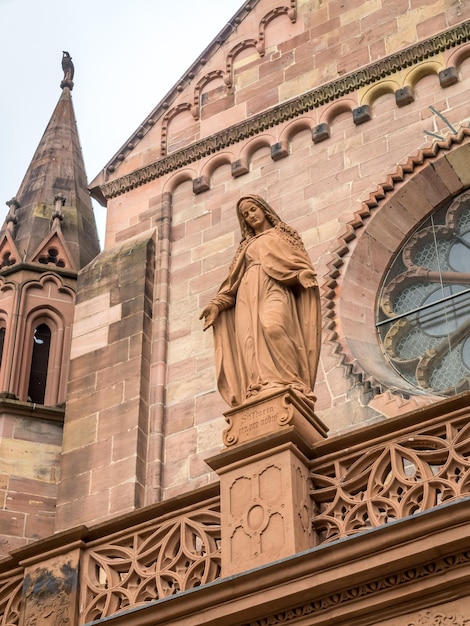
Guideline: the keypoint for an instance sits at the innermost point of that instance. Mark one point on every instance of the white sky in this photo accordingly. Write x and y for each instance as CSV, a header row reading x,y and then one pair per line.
x,y
127,55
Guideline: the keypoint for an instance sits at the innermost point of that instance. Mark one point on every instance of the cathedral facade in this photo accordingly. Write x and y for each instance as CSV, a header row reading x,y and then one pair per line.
x,y
135,490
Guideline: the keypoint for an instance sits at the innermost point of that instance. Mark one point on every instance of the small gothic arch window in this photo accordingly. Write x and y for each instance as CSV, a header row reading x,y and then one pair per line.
x,y
39,364
424,305
2,343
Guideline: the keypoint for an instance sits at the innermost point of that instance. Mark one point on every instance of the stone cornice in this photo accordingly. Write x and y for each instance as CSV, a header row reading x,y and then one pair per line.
x,y
9,404
38,268
323,604
289,110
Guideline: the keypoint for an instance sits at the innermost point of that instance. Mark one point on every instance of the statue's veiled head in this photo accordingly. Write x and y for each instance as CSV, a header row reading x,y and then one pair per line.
x,y
271,215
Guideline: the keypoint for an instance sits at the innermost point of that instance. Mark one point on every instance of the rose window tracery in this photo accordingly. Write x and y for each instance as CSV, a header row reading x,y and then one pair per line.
x,y
424,305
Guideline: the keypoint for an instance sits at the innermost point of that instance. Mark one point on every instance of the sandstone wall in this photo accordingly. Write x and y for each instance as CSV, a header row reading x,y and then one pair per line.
x,y
373,107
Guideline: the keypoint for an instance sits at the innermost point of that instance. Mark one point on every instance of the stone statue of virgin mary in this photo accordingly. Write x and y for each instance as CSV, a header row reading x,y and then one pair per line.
x,y
266,314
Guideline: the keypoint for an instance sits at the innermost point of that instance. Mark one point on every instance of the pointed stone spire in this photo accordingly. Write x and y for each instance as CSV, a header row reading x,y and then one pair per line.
x,y
56,171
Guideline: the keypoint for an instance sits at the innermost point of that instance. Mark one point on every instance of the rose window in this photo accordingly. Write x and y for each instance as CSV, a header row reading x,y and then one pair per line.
x,y
424,305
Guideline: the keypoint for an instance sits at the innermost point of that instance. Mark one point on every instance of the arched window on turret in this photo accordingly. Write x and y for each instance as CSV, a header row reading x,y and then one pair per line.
x,y
41,347
42,353
41,372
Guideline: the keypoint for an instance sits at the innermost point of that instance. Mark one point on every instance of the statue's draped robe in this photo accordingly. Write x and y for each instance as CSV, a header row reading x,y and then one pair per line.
x,y
268,331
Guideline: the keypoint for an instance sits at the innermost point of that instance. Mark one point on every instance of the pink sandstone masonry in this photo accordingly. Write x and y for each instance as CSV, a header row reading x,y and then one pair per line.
x,y
348,92
152,501
30,448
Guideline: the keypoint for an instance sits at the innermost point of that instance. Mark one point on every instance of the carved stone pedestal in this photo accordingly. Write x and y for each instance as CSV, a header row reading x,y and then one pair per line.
x,y
263,473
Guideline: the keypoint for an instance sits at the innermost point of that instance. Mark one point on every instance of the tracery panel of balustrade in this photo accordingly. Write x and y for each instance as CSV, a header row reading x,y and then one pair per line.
x,y
10,600
392,480
150,563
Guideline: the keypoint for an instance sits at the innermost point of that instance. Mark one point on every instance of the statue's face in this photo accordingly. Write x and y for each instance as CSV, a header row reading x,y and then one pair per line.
x,y
254,216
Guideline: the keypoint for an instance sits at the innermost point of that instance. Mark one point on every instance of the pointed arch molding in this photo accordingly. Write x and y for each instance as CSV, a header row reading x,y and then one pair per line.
x,y
9,254
226,75
283,112
54,250
361,257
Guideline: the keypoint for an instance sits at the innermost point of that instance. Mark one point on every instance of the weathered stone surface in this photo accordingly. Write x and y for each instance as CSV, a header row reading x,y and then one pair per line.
x,y
50,592
124,279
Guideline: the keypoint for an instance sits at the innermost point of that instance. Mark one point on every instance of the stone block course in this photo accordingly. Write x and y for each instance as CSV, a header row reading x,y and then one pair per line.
x,y
95,455
40,488
210,280
37,431
80,366
180,417
40,525
135,230
121,451
80,432
94,506
86,382
182,369
122,471
431,25
208,436
266,98
29,502
127,327
277,65
124,497
457,13
90,341
224,103
90,403
182,390
76,487
28,459
11,523
219,227
118,372
186,244
132,389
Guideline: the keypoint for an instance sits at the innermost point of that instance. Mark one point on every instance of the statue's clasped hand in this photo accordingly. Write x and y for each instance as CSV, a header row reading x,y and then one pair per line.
x,y
209,313
307,279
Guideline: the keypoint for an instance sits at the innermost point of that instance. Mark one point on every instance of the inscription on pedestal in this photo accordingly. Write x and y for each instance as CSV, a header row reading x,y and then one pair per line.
x,y
271,413
254,420
258,421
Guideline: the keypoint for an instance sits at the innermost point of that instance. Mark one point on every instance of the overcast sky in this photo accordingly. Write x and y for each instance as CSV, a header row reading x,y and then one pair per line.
x,y
127,55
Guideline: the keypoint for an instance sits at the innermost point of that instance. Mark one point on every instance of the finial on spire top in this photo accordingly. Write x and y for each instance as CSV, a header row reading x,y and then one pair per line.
x,y
68,68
